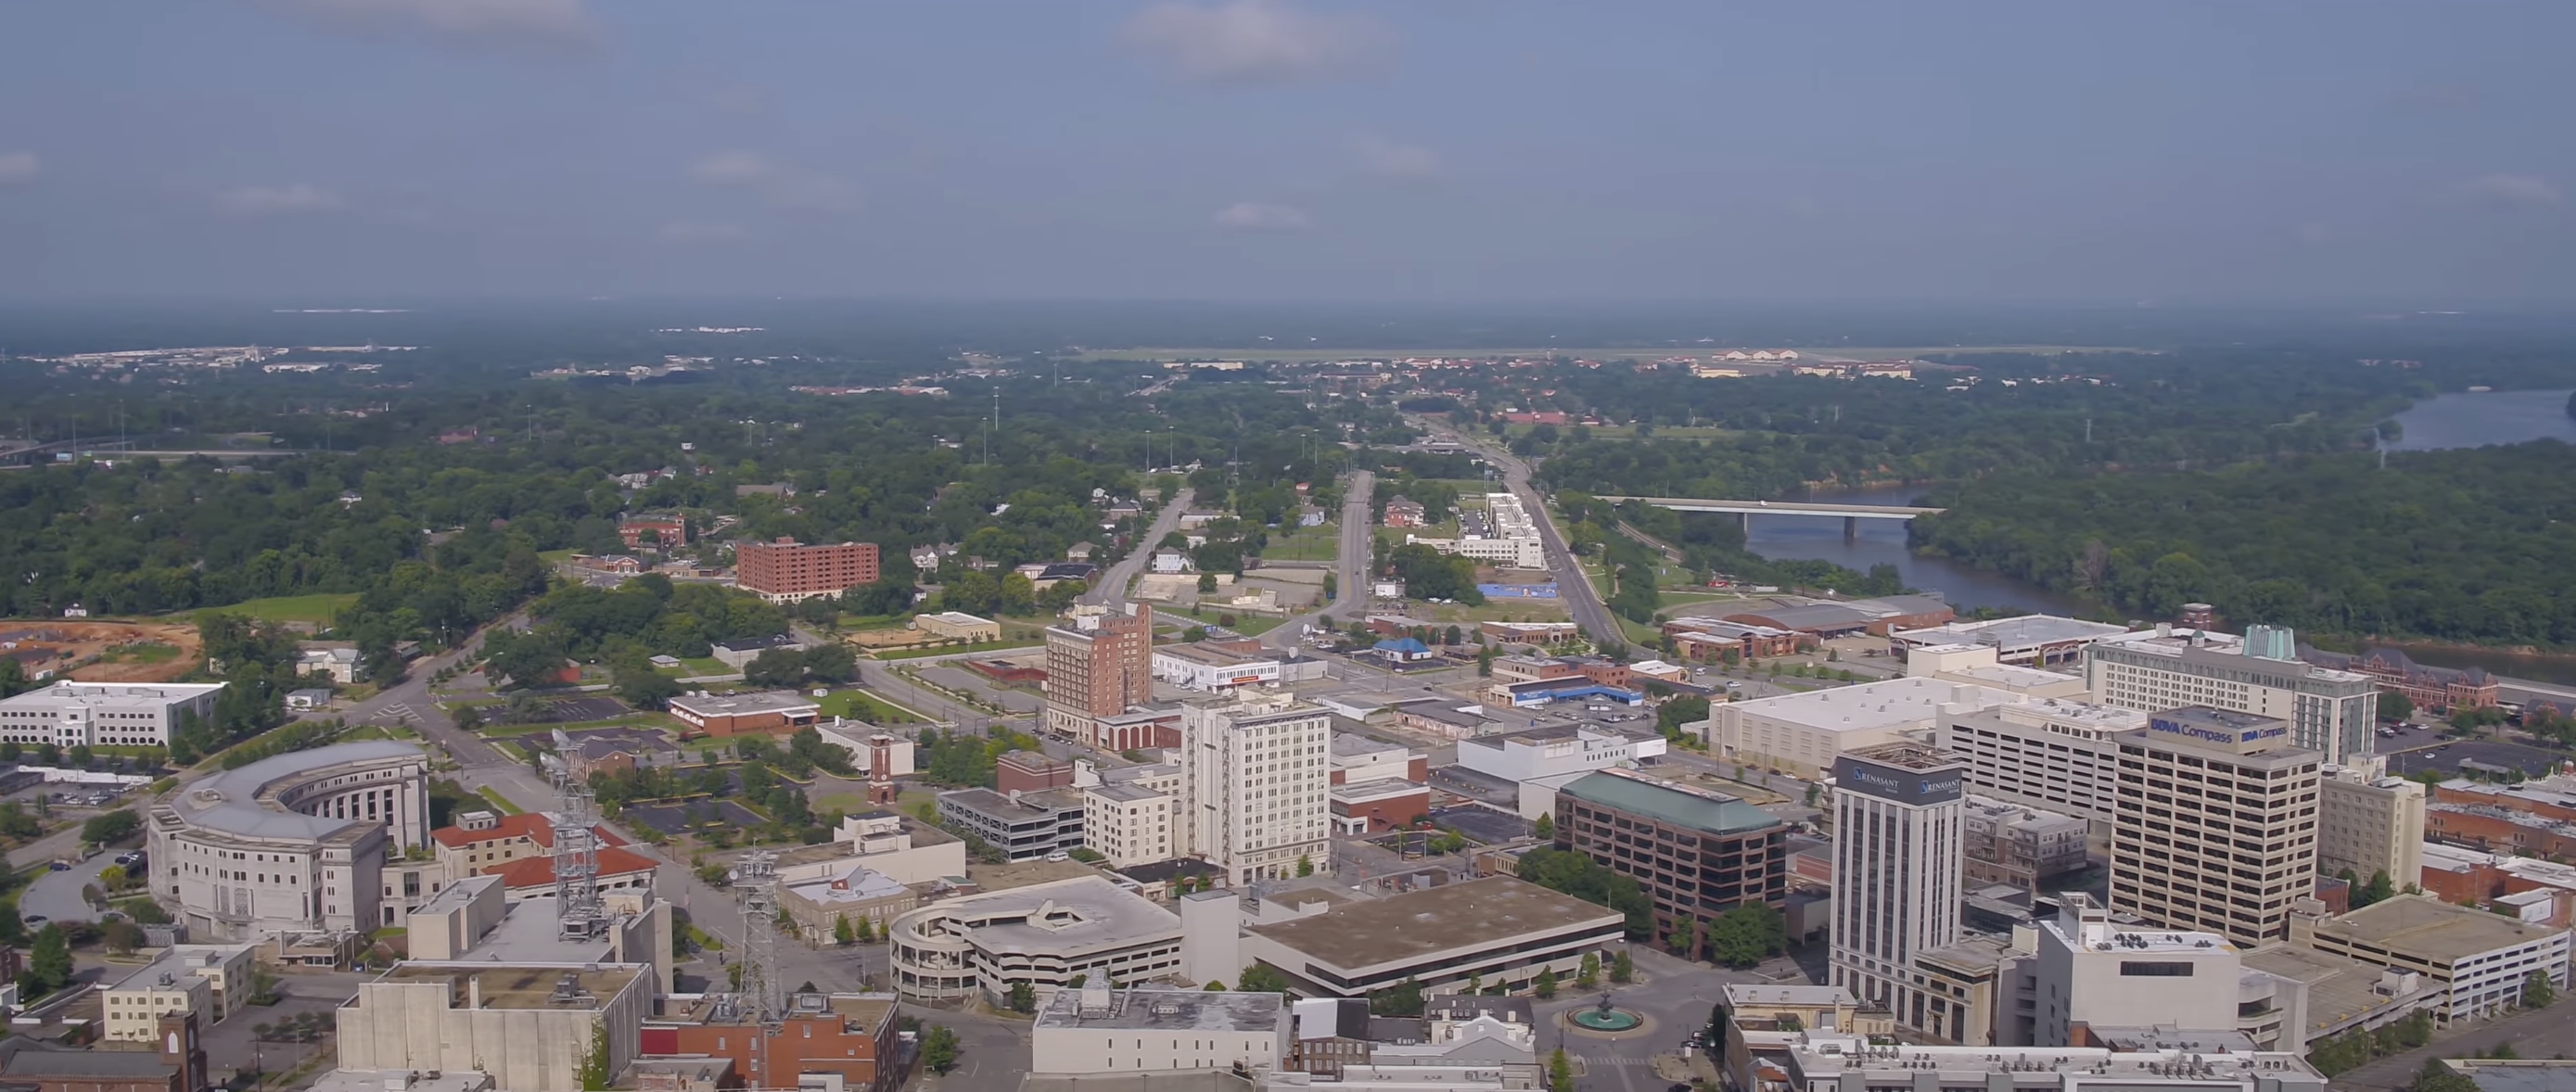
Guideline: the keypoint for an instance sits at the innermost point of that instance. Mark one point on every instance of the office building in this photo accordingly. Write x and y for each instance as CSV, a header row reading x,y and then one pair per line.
x,y
1697,854
2049,754
2216,824
1899,831
1499,930
1801,734
1256,776
2369,825
784,571
1500,534
292,843
1099,663
842,1042
2092,972
1043,934
1132,816
178,1064
1025,826
1127,1029
534,1027
89,714
1213,670
778,712
2482,959
208,981
1828,1062
2328,711
2021,846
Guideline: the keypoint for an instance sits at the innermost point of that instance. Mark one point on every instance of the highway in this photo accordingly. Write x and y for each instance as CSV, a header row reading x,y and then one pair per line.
x,y
1571,584
1352,576
1783,507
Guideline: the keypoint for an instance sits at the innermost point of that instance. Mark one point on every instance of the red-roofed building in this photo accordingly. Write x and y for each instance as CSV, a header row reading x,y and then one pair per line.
x,y
481,840
641,531
534,877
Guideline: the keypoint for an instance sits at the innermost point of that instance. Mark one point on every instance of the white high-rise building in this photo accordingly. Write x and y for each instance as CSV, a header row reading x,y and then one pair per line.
x,y
2328,711
2099,974
1899,848
1255,775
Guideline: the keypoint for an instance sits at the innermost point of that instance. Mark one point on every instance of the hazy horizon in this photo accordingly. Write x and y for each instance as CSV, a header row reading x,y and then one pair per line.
x,y
320,153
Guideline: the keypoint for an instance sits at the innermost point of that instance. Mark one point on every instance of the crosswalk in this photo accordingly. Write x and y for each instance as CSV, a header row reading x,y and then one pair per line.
x,y
1614,1059
395,712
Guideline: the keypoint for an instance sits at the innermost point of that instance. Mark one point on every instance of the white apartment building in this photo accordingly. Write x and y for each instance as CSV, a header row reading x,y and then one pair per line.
x,y
1100,1029
2330,712
1502,534
1132,815
1548,752
1801,734
1212,671
1899,827
1255,777
2216,824
2048,754
2370,824
89,714
211,981
2093,972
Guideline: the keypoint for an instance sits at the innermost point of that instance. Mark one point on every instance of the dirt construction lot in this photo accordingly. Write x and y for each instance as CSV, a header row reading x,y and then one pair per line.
x,y
102,651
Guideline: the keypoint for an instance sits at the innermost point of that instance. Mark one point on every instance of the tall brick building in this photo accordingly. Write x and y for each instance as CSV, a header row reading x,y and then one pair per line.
x,y
784,571
1097,665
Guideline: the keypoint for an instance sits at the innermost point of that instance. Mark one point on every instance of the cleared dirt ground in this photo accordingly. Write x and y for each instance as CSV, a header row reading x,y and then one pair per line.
x,y
103,651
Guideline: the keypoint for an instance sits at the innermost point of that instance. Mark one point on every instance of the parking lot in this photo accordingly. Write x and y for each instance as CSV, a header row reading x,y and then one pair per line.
x,y
2446,757
1485,825
577,710
673,819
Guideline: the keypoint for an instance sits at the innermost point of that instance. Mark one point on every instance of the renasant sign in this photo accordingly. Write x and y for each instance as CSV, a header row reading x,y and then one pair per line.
x,y
1902,786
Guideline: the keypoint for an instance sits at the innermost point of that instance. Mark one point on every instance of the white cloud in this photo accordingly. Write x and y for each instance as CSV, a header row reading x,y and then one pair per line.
x,y
1252,41
2513,189
1256,216
1388,159
543,25
734,169
781,185
686,233
271,200
17,167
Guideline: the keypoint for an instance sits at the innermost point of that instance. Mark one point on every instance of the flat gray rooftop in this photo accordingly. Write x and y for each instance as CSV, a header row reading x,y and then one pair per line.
x,y
1165,1010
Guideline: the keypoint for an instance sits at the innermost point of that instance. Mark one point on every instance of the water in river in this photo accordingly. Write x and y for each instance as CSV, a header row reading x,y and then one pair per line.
x,y
2478,419
1882,541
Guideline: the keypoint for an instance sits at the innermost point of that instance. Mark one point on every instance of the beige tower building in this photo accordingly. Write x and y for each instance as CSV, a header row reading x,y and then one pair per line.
x,y
2216,824
1254,779
2370,823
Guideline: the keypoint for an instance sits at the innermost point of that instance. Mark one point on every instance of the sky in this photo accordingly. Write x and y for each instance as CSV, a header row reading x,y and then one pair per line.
x,y
358,152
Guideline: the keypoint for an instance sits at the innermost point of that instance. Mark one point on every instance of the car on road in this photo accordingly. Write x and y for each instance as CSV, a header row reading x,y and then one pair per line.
x,y
35,919
59,866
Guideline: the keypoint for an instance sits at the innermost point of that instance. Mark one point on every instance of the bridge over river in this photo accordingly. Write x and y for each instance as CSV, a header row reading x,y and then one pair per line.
x,y
1745,510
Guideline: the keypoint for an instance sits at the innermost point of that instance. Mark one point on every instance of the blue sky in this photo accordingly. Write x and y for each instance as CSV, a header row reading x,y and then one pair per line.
x,y
350,151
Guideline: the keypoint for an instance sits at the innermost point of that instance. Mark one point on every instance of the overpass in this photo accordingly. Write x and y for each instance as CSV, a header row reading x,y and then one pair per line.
x,y
1745,510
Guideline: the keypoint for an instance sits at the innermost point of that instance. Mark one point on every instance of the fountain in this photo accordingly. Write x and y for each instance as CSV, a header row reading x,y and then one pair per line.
x,y
1604,1018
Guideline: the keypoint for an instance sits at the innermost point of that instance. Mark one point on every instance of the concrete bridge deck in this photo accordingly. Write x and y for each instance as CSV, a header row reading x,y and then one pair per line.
x,y
1783,508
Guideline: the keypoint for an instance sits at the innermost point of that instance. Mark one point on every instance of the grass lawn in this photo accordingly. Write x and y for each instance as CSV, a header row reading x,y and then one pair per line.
x,y
493,797
509,750
849,703
1249,625
1320,543
149,652
701,665
552,557
318,608
952,650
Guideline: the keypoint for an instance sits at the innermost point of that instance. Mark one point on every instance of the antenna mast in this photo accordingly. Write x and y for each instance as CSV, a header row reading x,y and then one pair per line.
x,y
578,913
755,881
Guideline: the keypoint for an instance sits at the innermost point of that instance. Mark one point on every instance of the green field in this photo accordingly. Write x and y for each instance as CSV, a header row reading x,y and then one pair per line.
x,y
318,608
1031,641
1322,543
848,703
1249,625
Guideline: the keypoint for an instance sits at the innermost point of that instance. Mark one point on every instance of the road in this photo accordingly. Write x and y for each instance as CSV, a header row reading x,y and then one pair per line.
x,y
1111,589
1571,583
57,895
1351,580
2539,1033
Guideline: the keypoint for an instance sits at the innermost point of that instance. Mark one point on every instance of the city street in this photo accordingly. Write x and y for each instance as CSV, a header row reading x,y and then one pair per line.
x,y
1673,995
1571,584
1111,587
1352,574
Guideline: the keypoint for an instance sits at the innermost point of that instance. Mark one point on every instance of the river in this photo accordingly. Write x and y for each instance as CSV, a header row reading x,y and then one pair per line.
x,y
1882,541
2464,419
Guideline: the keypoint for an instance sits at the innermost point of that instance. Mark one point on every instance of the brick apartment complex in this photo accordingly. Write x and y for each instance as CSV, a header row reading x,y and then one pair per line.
x,y
785,571
1697,854
662,531
1097,666
2428,687
2533,818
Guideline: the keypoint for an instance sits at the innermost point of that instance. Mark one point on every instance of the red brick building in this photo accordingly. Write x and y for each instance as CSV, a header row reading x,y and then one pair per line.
x,y
2428,687
177,1064
784,571
746,714
846,1035
1097,665
1029,771
654,531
